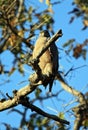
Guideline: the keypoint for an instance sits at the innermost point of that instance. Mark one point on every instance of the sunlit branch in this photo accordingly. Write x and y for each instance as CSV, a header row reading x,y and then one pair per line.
x,y
70,89
14,100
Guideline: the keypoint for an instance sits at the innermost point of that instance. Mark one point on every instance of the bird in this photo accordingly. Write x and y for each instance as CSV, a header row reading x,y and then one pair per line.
x,y
48,62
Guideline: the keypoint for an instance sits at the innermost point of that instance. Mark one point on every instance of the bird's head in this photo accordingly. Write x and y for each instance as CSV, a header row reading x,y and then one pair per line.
x,y
44,33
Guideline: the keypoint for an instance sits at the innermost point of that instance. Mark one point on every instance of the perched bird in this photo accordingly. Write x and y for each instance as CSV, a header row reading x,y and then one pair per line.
x,y
48,62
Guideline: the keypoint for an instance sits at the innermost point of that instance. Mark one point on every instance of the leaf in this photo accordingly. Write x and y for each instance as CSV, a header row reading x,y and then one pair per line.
x,y
85,123
45,121
61,115
20,68
1,69
71,20
85,22
48,2
77,51
84,51
69,42
50,10
38,91
61,126
11,71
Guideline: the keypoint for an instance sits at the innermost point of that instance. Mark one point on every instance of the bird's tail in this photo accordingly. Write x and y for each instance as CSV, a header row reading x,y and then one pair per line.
x,y
51,84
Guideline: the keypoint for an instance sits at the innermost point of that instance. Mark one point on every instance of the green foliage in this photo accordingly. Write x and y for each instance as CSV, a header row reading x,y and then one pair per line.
x,y
80,10
69,42
13,29
38,92
77,50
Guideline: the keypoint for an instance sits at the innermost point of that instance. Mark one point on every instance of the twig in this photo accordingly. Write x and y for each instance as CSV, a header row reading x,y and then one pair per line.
x,y
45,97
19,9
4,40
10,7
41,112
72,69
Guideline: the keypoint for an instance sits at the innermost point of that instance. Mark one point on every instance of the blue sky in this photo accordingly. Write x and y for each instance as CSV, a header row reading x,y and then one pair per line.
x,y
78,78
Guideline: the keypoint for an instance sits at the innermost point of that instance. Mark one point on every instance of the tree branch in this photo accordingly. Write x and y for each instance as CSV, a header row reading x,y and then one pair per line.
x,y
82,109
27,104
70,89
14,101
81,114
29,88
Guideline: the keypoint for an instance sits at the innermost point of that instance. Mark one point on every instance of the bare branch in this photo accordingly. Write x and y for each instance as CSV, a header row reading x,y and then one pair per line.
x,y
14,101
27,104
19,99
70,89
